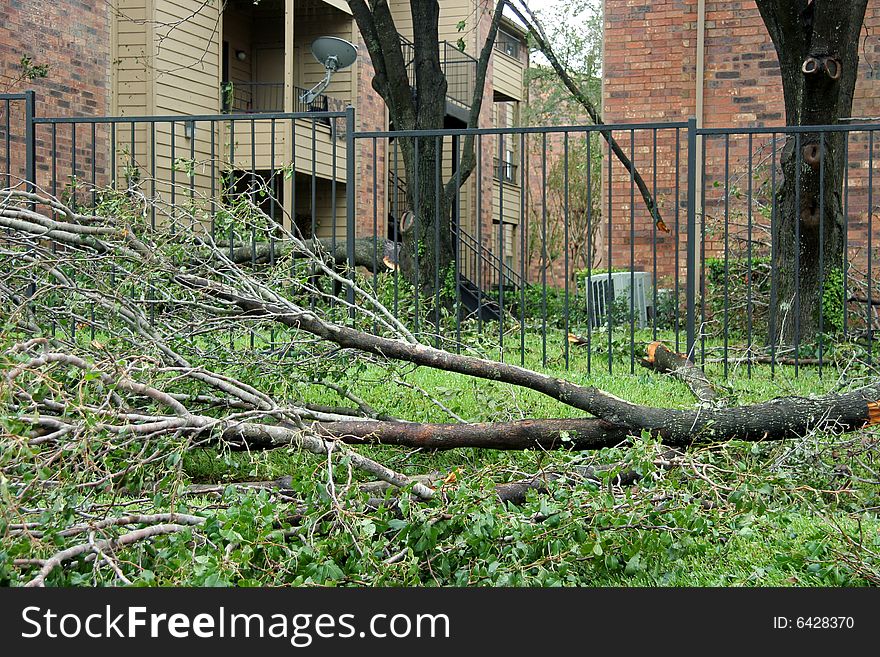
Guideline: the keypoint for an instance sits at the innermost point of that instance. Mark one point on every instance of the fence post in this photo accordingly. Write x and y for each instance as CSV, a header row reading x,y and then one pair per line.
x,y
30,143
349,202
691,261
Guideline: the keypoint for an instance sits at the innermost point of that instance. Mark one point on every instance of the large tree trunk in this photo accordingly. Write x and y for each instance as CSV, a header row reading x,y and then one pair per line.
x,y
428,247
817,47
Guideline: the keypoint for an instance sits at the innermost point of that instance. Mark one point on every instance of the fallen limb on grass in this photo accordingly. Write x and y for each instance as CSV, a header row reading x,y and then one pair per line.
x,y
190,292
661,358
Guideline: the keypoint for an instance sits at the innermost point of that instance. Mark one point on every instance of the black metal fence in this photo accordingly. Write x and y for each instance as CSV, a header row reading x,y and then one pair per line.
x,y
559,250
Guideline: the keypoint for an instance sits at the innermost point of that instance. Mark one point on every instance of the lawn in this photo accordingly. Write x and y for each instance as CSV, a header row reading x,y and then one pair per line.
x,y
797,513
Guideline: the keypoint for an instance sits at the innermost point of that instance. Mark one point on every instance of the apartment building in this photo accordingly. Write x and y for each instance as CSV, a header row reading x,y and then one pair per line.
x,y
191,58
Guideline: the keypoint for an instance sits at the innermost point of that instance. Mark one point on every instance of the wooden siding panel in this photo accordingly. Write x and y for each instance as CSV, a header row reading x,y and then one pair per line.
x,y
507,75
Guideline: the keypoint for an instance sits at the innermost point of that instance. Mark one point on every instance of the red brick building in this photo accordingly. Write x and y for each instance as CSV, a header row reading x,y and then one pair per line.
x,y
668,60
71,38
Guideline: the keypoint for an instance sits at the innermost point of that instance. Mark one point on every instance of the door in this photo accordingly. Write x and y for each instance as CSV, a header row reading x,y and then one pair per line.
x,y
269,76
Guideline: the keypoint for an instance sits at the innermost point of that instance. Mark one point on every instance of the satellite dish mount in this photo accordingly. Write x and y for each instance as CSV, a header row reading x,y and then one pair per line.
x,y
335,54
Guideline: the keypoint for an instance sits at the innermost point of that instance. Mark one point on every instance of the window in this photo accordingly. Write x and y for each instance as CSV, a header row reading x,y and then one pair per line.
x,y
508,44
506,162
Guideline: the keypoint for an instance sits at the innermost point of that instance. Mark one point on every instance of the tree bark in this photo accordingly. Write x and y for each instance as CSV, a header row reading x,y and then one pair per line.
x,y
816,44
662,359
428,250
774,420
374,253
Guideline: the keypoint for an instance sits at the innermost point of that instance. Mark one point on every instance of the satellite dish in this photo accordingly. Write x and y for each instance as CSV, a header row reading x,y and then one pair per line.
x,y
335,54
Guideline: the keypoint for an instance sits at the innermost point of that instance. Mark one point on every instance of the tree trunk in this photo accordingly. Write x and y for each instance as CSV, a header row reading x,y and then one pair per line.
x,y
817,47
427,248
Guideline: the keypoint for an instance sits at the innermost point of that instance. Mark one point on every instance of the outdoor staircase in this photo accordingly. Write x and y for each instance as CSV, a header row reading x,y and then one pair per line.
x,y
479,298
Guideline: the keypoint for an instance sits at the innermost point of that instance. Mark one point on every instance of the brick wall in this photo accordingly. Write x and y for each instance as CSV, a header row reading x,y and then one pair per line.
x,y
73,38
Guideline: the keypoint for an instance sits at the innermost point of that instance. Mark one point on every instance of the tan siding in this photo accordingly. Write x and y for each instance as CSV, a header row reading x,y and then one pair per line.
x,y
451,12
131,80
186,55
511,199
507,75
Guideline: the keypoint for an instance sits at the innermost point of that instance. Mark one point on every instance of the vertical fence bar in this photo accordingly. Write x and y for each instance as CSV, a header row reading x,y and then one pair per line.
x,y
152,178
702,175
417,292
438,191
749,264
313,202
478,265
821,246
588,286
522,250
231,195
566,228
654,217
54,183
677,276
691,259
797,252
544,262
375,144
252,197
191,167
30,140
609,296
273,204
54,165
213,185
632,252
94,166
30,161
173,166
349,203
456,156
726,251
396,212
774,282
8,155
499,175
112,156
294,229
333,209
869,326
845,234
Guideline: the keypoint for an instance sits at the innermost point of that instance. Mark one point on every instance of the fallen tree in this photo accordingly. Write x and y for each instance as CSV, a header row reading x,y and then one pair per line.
x,y
245,296
125,346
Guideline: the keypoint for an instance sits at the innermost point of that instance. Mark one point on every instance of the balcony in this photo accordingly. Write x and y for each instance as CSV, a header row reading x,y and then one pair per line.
x,y
460,70
268,98
508,68
251,97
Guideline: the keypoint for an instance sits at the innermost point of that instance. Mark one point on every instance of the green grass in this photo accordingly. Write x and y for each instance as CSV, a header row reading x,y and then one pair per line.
x,y
774,514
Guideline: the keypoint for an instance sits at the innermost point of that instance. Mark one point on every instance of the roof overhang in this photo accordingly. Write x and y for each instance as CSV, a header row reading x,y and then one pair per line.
x,y
341,5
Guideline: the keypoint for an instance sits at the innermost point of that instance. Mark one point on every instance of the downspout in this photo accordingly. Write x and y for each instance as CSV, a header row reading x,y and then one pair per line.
x,y
699,83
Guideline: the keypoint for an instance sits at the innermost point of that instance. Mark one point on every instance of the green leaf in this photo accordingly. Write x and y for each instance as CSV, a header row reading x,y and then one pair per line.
x,y
634,565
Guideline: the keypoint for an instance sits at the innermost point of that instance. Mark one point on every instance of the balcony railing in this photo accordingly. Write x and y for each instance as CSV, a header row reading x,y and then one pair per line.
x,y
266,97
252,97
459,68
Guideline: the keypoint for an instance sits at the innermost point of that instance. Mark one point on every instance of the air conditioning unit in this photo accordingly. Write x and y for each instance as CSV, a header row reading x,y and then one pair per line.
x,y
602,293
